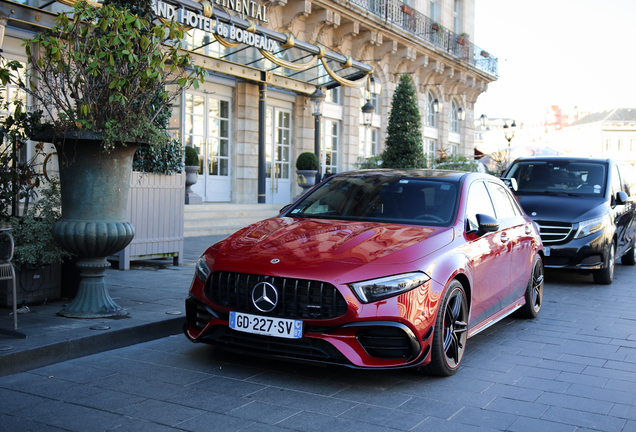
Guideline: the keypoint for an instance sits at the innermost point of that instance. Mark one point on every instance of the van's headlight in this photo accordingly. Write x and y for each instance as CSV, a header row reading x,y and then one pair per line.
x,y
590,226
201,270
376,289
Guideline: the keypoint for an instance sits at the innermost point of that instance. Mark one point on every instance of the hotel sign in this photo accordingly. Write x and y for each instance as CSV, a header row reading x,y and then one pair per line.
x,y
199,21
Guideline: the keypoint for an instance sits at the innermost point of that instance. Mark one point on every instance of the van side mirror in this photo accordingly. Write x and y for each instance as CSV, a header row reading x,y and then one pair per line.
x,y
511,183
486,223
621,198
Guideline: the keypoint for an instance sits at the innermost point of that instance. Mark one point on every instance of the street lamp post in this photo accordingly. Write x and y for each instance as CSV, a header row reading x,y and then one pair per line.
x,y
509,134
318,101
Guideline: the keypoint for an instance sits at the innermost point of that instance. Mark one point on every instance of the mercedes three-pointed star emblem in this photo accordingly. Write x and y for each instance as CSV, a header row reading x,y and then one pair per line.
x,y
264,296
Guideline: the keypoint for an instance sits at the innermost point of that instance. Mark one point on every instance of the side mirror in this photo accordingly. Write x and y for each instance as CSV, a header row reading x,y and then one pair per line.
x,y
486,223
621,198
511,183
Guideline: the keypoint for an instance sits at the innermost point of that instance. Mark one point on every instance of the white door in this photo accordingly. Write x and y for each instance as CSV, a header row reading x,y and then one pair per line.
x,y
278,154
207,129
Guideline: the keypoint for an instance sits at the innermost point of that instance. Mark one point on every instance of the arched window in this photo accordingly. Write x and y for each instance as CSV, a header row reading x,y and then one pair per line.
x,y
431,116
454,118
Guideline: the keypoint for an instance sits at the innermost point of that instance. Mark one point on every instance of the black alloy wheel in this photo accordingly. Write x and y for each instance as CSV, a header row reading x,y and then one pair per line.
x,y
451,332
534,291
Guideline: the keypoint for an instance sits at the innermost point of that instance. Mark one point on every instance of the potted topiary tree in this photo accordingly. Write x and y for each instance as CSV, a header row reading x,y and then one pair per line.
x,y
192,173
102,76
306,169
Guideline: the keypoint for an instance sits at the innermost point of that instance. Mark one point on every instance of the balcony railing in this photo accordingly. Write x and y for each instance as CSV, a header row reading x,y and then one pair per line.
x,y
402,15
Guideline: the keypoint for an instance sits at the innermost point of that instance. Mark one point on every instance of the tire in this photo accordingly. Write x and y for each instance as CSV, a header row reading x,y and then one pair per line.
x,y
630,256
606,276
451,331
534,291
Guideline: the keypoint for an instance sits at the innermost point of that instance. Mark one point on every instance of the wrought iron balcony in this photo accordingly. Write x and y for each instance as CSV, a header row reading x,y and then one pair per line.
x,y
418,24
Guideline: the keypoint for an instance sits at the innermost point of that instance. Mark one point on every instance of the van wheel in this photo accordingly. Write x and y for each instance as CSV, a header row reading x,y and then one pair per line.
x,y
630,256
606,275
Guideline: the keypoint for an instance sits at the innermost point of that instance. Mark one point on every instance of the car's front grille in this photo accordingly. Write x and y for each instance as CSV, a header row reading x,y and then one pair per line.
x,y
307,348
386,343
297,298
554,232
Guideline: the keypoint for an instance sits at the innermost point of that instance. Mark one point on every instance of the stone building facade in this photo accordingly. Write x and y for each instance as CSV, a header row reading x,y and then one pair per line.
x,y
253,116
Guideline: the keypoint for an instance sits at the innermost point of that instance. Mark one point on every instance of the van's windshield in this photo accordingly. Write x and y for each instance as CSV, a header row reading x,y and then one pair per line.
x,y
569,177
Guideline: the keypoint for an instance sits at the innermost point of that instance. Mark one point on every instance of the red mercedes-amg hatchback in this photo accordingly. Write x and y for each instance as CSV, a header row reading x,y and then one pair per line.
x,y
372,269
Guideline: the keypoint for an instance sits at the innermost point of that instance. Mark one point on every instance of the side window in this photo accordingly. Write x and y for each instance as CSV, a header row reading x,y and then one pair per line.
x,y
504,206
478,203
616,181
627,178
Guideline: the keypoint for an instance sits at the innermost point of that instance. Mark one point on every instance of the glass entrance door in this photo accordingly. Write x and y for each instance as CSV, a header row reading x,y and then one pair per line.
x,y
207,129
278,152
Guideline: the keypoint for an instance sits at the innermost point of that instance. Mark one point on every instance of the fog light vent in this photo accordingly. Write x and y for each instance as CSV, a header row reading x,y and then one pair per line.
x,y
386,343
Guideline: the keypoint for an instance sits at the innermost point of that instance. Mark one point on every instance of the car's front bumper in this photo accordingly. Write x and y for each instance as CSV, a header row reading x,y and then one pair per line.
x,y
585,254
373,344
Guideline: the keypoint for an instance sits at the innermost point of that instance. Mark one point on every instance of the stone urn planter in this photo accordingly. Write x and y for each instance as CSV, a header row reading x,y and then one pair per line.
x,y
306,179
306,170
94,189
192,175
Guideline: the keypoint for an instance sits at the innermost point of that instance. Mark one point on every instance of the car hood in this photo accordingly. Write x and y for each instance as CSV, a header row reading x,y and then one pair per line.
x,y
562,208
330,240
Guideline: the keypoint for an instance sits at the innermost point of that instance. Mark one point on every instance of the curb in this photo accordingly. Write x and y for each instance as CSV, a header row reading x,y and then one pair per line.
x,y
22,361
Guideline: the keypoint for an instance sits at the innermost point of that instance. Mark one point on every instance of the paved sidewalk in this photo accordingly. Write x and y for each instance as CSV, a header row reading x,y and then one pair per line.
x,y
153,292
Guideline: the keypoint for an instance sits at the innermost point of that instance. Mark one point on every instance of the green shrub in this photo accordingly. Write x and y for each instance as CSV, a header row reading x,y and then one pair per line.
x,y
34,243
307,161
164,159
191,156
373,162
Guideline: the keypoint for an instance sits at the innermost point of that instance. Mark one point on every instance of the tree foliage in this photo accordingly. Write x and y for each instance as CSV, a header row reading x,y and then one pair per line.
x,y
404,131
110,69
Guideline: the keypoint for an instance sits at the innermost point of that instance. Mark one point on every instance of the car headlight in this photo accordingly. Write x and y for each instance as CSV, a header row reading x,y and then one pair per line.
x,y
376,289
590,227
201,270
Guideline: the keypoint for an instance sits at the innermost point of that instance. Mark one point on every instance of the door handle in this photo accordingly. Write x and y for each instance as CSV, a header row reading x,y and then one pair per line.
x,y
528,230
504,238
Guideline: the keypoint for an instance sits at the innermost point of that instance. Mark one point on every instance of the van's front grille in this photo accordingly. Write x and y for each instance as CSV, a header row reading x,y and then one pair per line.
x,y
554,232
297,298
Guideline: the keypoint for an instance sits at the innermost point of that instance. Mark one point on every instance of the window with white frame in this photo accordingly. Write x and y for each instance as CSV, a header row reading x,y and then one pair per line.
x,y
368,142
456,17
608,144
331,146
431,116
433,9
620,144
454,149
430,147
333,95
11,94
454,117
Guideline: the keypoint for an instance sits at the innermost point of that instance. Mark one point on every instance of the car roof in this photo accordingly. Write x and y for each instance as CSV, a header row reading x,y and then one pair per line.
x,y
562,158
449,175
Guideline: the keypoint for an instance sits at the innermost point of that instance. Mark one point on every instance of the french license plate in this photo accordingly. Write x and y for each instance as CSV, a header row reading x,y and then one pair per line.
x,y
547,251
277,327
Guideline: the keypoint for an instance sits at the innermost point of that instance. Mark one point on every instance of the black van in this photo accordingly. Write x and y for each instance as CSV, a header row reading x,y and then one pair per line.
x,y
584,207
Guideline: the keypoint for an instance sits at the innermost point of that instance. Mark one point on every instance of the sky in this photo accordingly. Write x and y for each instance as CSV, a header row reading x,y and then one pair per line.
x,y
557,52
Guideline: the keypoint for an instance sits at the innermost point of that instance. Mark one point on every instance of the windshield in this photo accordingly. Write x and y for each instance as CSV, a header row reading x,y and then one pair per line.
x,y
382,199
571,177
